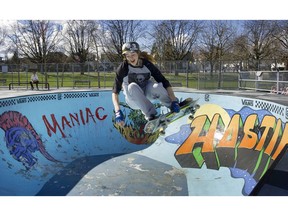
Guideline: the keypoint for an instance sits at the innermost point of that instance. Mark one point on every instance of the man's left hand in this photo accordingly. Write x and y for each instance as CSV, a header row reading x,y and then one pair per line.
x,y
175,107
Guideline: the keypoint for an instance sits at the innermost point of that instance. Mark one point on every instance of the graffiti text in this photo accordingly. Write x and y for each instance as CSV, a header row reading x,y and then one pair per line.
x,y
251,144
73,119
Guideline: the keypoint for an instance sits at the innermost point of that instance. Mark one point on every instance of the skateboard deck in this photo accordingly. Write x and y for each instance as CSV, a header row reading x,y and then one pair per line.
x,y
188,106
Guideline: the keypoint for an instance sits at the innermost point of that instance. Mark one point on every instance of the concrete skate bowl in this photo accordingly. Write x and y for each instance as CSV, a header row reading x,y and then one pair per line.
x,y
67,144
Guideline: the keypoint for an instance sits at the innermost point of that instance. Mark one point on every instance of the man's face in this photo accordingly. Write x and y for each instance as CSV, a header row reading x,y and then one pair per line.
x,y
132,57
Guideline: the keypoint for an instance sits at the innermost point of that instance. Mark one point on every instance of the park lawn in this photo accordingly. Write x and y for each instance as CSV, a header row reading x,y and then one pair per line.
x,y
106,79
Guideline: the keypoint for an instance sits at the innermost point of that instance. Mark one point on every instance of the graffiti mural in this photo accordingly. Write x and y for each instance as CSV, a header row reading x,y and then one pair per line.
x,y
246,141
133,130
21,139
227,149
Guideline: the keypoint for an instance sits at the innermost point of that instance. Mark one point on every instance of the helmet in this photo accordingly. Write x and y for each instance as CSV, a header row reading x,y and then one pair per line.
x,y
130,47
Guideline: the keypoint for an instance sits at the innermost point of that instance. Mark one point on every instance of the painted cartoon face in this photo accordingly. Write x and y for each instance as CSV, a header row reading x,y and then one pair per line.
x,y
21,144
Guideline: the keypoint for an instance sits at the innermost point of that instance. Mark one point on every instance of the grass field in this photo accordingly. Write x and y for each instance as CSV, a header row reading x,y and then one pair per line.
x,y
106,79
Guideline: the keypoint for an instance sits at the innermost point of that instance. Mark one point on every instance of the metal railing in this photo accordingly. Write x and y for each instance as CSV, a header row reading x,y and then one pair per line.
x,y
267,81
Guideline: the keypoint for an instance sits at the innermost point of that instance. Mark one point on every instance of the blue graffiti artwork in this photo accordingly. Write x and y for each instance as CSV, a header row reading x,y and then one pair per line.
x,y
21,145
21,139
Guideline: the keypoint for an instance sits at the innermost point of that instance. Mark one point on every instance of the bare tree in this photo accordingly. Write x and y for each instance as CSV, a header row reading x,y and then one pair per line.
x,y
3,35
117,32
174,39
35,39
240,48
79,39
216,42
282,37
260,35
95,31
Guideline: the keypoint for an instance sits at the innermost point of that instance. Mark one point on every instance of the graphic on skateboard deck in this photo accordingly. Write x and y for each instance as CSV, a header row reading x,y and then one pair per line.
x,y
188,106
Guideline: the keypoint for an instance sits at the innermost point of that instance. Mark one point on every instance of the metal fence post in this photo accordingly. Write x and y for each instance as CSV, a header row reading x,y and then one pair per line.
x,y
57,72
277,80
187,71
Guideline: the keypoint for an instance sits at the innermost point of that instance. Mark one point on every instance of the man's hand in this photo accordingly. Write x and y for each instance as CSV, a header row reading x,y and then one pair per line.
x,y
119,118
175,107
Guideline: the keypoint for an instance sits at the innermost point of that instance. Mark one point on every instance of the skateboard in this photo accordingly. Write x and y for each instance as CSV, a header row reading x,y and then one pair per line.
x,y
188,106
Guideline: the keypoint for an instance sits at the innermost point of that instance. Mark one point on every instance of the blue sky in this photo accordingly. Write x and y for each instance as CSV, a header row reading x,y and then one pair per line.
x,y
149,10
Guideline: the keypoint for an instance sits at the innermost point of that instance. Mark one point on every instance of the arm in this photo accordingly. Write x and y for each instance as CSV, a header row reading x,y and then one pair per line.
x,y
171,93
119,117
115,100
175,107
156,74
120,73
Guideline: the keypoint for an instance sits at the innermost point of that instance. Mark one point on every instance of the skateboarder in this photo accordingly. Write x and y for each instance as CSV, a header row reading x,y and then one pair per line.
x,y
133,76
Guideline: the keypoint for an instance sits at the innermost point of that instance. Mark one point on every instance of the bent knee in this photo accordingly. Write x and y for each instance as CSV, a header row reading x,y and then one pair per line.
x,y
134,87
158,85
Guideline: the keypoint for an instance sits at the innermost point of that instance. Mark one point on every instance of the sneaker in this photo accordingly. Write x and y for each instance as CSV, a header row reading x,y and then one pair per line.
x,y
184,102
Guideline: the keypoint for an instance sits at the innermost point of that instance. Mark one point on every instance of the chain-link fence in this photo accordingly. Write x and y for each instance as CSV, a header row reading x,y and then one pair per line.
x,y
197,75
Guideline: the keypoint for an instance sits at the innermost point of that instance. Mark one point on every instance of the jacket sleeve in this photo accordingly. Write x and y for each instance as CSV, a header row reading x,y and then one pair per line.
x,y
156,73
121,72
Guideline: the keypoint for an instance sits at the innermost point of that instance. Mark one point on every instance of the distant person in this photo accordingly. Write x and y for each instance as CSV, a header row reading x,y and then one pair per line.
x,y
274,89
285,91
134,77
34,80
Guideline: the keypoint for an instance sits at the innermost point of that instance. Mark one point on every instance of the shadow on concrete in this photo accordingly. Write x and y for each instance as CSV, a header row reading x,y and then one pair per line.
x,y
61,183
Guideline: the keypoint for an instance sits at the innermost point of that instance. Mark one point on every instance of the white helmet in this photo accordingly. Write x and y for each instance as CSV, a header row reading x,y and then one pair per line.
x,y
130,47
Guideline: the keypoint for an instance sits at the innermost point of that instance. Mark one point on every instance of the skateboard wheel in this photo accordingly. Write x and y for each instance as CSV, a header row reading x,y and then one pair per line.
x,y
191,117
192,110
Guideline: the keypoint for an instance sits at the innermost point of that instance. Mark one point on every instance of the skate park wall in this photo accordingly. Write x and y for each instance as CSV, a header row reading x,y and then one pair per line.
x,y
224,150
